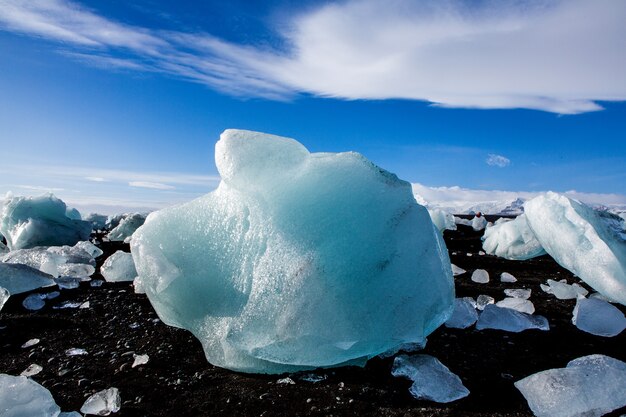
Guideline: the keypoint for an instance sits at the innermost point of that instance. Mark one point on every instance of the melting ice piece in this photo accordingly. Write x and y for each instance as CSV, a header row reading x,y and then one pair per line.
x,y
512,240
68,283
22,397
27,222
562,290
518,293
96,283
140,360
457,271
480,276
76,352
591,244
286,381
464,314
4,296
506,277
518,304
483,301
432,380
598,317
18,278
98,221
32,370
119,267
103,403
442,219
34,302
288,242
126,227
31,342
479,223
589,386
494,317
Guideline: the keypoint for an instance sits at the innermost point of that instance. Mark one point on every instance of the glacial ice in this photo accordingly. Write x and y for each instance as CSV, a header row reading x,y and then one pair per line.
x,y
140,360
73,213
483,300
119,267
480,276
3,247
98,221
22,397
17,278
74,261
598,317
457,271
512,240
479,223
103,403
30,343
518,304
589,386
27,222
499,318
4,296
288,243
126,227
432,380
442,219
506,277
464,314
34,302
33,369
562,290
518,293
589,243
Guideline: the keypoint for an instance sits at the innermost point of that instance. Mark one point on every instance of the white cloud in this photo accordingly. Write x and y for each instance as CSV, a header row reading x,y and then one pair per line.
x,y
39,188
151,185
497,160
559,56
95,179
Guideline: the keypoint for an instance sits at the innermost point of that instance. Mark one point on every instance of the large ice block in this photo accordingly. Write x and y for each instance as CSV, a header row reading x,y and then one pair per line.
x,y
119,267
297,260
512,240
18,278
22,397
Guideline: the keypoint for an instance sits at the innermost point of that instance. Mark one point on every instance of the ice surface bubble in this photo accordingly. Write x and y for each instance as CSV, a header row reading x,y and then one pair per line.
x,y
512,240
506,277
103,403
18,278
442,219
589,386
464,314
480,276
119,267
518,304
126,227
432,380
27,222
289,242
22,397
598,317
591,244
499,318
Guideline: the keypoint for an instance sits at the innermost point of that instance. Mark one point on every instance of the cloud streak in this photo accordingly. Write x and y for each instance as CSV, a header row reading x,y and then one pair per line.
x,y
151,185
557,56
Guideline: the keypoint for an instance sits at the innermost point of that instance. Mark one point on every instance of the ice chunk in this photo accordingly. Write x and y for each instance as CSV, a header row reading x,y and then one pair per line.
x,y
483,301
114,220
591,244
77,260
67,283
127,227
103,403
4,296
512,240
598,317
119,267
34,302
140,360
518,304
98,221
27,222
480,276
432,380
76,352
562,290
506,277
92,250
3,247
32,370
464,314
17,278
499,318
22,397
72,213
288,243
589,386
518,293
464,222
442,219
30,342
479,222
286,381
457,271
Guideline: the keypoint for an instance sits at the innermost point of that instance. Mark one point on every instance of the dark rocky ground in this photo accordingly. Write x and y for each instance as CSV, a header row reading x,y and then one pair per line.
x,y
177,381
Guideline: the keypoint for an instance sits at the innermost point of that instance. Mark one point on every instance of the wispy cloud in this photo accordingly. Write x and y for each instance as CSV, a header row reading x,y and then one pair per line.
x,y
151,185
39,188
95,179
497,160
557,56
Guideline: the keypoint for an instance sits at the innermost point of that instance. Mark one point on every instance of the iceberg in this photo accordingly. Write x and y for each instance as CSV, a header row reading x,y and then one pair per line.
x,y
17,278
296,260
589,386
500,318
598,317
591,244
442,219
98,221
27,222
126,227
119,267
512,240
22,397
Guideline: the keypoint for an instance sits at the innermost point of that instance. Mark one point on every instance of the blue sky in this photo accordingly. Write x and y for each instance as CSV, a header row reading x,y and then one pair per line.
x,y
117,105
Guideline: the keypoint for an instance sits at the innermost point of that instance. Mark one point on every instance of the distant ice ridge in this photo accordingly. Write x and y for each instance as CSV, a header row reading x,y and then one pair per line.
x,y
512,240
289,243
589,386
27,222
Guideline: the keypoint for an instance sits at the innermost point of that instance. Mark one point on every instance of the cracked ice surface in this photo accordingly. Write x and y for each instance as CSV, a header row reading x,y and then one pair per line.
x,y
289,242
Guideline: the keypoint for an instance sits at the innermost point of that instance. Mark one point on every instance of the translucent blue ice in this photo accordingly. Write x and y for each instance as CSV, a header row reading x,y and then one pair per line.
x,y
297,260
126,227
22,397
512,240
442,219
119,267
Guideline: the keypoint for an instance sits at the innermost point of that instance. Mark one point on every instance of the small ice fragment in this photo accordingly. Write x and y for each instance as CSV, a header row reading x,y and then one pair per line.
x,y
494,317
31,342
67,304
506,277
464,314
96,283
52,295
70,414
598,317
314,378
22,397
140,360
85,305
67,283
432,380
119,267
33,369
518,304
103,403
457,271
481,253
518,293
480,276
483,301
4,296
75,352
33,302
589,386
479,223
562,290
286,381
90,248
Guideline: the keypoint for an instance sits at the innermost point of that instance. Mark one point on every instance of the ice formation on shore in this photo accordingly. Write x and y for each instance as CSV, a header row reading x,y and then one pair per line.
x,y
480,276
598,317
22,397
500,318
126,227
512,240
589,386
562,290
27,222
464,314
297,260
442,219
17,278
103,403
119,267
